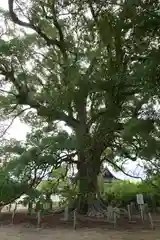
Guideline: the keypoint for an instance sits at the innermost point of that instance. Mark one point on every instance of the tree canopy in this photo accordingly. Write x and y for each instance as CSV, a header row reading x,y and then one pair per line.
x,y
93,65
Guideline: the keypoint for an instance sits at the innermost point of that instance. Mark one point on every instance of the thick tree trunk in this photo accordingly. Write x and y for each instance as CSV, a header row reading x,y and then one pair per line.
x,y
88,170
89,153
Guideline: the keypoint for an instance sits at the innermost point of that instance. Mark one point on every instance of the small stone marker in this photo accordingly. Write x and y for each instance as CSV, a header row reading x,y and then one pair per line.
x,y
66,214
140,202
109,213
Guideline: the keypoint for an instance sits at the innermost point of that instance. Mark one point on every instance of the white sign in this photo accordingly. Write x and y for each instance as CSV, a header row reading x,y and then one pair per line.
x,y
140,199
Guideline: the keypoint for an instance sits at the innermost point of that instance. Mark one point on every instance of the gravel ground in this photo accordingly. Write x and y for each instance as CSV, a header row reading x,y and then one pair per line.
x,y
20,233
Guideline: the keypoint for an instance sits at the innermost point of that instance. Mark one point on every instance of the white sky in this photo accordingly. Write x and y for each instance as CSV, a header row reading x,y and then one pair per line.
x,y
19,131
4,4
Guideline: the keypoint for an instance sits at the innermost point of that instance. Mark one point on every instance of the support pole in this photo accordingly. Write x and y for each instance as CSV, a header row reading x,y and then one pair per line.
x,y
14,211
114,219
142,212
38,219
129,212
151,220
75,219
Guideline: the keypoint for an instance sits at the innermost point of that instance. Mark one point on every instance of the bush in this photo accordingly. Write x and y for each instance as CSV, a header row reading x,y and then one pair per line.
x,y
123,192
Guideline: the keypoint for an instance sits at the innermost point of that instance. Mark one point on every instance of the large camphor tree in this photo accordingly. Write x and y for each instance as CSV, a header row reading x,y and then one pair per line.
x,y
93,65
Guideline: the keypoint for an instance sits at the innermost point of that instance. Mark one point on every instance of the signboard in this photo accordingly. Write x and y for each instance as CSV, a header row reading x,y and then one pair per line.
x,y
140,200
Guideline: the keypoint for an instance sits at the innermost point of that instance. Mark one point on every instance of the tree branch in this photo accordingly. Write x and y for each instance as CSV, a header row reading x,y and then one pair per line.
x,y
8,92
17,115
121,169
14,17
30,25
25,97
53,114
58,27
67,158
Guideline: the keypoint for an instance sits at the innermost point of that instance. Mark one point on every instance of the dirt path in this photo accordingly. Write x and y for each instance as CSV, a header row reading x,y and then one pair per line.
x,y
19,233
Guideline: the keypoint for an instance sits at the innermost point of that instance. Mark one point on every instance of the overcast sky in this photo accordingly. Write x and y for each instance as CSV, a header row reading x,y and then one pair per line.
x,y
19,130
4,3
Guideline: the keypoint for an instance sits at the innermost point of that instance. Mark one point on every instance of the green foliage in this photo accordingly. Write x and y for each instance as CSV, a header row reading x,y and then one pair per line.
x,y
59,184
11,189
123,192
24,165
97,73
120,191
58,180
